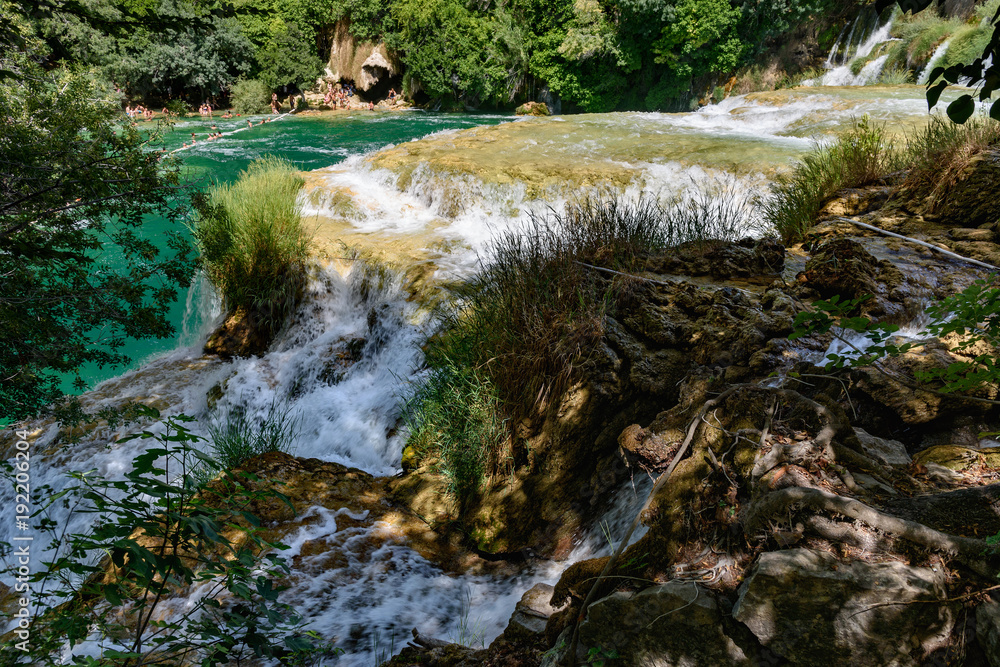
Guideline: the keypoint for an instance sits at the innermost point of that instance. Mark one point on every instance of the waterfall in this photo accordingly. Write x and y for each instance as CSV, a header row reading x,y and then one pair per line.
x,y
932,63
865,35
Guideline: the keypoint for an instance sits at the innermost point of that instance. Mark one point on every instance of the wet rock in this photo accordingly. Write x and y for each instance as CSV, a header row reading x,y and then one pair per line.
x,y
965,234
239,336
855,201
676,623
891,452
531,614
811,609
532,109
843,268
988,630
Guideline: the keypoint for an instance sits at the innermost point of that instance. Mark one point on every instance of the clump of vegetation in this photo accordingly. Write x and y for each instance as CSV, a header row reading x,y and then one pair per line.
x,y
531,318
860,157
237,436
253,244
938,154
457,418
157,535
250,96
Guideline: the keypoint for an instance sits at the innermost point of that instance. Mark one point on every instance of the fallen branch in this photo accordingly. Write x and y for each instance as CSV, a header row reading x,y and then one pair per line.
x,y
949,253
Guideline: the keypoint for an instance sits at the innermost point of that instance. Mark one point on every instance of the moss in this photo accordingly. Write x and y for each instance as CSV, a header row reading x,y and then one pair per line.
x,y
967,44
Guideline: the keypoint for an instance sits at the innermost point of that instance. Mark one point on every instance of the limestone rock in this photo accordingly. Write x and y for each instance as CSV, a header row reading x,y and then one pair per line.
x,y
532,109
674,624
811,609
369,65
988,630
970,200
531,614
239,336
891,452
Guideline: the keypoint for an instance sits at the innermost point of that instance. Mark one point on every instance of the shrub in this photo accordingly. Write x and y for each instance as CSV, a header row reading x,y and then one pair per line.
x,y
860,157
967,43
250,96
156,536
252,242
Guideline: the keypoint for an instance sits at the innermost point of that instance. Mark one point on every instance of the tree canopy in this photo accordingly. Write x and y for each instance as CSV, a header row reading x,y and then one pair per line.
x,y
79,277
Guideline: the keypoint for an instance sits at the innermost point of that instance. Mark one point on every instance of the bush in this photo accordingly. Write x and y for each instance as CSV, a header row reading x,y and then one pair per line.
x,y
252,242
250,96
860,157
155,537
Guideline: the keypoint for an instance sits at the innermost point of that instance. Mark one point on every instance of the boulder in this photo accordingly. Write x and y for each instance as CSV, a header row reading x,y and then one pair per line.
x,y
969,201
676,624
988,630
531,614
890,452
532,109
368,64
810,608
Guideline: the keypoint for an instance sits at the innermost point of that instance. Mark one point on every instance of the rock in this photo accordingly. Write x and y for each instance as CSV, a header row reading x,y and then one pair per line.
x,y
949,456
842,267
811,609
970,200
531,614
988,630
965,234
855,201
891,452
674,624
239,336
746,259
532,109
368,64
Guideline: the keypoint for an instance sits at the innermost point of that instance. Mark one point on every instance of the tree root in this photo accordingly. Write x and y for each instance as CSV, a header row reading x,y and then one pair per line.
x,y
966,549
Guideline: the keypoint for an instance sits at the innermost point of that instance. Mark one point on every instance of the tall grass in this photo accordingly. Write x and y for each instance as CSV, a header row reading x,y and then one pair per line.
x,y
526,324
252,241
938,154
237,435
860,157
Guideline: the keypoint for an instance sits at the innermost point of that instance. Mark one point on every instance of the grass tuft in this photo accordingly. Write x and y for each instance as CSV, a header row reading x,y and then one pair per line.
x,y
253,245
858,158
524,327
237,436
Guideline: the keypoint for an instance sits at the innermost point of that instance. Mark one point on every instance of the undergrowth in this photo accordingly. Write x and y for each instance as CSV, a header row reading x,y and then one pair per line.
x,y
527,323
237,435
252,241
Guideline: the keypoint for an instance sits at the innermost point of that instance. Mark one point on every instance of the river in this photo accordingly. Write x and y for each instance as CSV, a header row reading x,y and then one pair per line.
x,y
430,190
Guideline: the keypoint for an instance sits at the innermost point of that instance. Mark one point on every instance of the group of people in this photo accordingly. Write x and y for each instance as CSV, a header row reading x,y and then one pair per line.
x,y
338,95
138,111
205,109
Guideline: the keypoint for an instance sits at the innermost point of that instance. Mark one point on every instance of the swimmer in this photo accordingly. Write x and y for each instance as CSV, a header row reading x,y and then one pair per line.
x,y
249,123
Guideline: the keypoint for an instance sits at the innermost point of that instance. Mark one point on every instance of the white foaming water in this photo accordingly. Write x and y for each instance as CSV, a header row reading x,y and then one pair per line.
x,y
840,73
938,54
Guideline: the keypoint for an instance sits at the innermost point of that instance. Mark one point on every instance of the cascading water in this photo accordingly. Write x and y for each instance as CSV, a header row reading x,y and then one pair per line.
x,y
938,54
438,200
867,33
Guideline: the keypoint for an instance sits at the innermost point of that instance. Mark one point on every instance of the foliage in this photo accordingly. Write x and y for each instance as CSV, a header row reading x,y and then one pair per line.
x,y
79,276
252,241
859,157
968,319
982,73
154,535
237,435
288,59
456,418
250,96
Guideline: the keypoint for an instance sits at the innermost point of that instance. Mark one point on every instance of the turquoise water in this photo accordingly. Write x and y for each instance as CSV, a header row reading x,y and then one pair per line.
x,y
309,141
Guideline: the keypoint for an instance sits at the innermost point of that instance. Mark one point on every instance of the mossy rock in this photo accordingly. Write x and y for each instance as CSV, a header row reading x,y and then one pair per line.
x,y
952,457
533,109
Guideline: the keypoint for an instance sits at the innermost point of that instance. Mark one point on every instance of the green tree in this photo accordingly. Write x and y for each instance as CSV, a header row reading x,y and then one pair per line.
x,y
78,276
289,58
